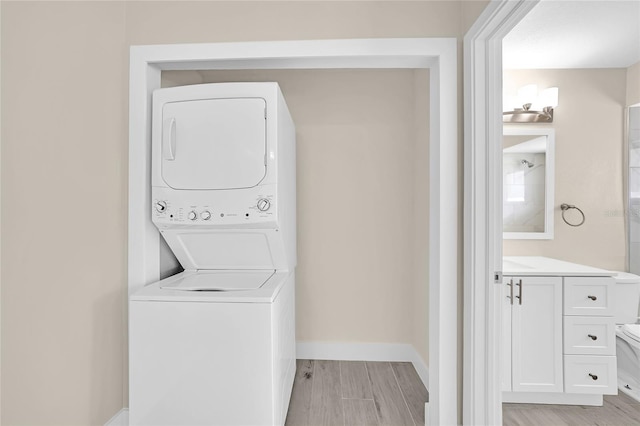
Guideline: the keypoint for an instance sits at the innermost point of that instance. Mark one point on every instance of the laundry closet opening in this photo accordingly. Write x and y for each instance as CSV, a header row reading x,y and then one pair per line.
x,y
362,201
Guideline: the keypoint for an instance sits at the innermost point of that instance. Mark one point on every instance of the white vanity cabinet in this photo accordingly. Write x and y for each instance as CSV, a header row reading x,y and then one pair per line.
x,y
532,334
558,332
589,336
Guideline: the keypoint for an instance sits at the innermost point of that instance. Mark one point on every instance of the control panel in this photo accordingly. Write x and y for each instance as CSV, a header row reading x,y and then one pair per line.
x,y
213,207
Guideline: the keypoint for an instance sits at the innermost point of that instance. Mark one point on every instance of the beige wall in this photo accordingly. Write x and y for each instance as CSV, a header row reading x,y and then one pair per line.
x,y
356,150
420,228
633,84
64,172
63,212
589,124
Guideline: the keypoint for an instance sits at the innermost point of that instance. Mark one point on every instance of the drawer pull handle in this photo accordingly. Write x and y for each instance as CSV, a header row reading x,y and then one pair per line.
x,y
592,297
593,376
593,337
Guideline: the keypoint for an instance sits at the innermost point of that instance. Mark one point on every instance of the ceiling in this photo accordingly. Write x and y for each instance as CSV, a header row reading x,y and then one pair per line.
x,y
575,34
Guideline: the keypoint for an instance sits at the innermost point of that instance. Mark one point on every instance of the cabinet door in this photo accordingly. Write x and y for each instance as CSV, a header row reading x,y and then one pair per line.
x,y
537,335
506,296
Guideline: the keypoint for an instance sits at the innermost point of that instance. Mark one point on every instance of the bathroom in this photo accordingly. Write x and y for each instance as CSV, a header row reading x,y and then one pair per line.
x,y
569,185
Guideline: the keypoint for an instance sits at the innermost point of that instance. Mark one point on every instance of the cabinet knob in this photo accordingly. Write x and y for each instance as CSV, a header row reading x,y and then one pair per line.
x,y
592,297
593,376
593,337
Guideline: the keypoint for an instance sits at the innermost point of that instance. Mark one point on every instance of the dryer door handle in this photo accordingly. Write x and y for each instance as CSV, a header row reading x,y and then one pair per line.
x,y
169,139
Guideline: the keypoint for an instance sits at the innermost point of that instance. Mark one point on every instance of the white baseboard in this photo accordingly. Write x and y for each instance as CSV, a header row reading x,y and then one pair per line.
x,y
121,418
390,352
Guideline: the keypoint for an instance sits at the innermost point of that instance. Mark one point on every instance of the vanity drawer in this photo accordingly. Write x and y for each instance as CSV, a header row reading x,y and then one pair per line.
x,y
588,296
589,336
590,374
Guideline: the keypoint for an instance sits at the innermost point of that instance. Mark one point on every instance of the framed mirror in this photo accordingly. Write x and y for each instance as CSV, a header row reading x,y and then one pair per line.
x,y
527,182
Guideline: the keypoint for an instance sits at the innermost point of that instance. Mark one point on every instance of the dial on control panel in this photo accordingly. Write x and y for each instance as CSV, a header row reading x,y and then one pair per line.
x,y
263,204
205,215
161,206
192,215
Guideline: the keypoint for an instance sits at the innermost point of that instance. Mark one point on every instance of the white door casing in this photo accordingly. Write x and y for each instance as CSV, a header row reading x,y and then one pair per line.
x,y
482,57
436,54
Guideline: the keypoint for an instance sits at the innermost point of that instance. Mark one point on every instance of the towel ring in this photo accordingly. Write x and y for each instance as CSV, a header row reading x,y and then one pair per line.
x,y
564,207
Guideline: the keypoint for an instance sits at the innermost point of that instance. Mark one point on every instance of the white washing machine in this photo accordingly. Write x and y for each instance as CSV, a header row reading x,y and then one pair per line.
x,y
215,344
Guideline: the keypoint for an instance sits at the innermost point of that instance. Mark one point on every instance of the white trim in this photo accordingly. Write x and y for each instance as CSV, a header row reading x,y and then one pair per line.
x,y
389,352
0,185
556,398
121,418
437,54
482,59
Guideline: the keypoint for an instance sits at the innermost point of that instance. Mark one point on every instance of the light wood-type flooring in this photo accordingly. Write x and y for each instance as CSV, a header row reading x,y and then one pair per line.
x,y
349,393
618,410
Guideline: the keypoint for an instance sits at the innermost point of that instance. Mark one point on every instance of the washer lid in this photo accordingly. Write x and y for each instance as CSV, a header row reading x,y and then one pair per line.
x,y
221,280
632,330
214,143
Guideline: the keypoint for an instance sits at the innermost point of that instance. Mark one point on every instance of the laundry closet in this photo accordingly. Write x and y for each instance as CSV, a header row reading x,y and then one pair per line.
x,y
361,165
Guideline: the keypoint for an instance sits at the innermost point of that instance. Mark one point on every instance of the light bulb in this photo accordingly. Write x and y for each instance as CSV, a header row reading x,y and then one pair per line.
x,y
527,94
549,97
509,103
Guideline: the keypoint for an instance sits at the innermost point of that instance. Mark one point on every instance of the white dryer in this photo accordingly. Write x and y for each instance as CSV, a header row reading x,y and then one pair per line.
x,y
215,344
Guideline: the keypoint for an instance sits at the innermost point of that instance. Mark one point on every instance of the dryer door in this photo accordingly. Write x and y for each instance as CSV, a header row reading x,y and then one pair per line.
x,y
214,143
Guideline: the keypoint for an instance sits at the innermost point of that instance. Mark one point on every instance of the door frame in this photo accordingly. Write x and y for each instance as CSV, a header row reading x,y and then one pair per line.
x,y
439,55
482,57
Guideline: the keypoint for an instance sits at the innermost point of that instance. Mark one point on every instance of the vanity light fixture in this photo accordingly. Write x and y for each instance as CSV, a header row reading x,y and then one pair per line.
x,y
536,107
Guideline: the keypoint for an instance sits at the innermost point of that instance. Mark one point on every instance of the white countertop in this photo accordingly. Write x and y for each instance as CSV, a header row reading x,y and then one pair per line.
x,y
546,266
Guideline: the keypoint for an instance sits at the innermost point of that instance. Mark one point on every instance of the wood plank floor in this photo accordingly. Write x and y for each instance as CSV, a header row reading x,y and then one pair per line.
x,y
350,393
346,393
618,410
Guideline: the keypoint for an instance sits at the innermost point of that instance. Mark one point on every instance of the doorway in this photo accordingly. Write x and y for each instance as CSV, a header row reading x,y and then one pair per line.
x,y
483,197
438,55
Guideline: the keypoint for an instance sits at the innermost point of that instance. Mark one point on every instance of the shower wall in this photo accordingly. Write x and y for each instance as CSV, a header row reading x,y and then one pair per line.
x,y
633,136
523,192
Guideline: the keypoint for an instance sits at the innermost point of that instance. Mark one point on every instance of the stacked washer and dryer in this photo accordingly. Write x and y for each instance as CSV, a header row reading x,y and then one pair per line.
x,y
215,344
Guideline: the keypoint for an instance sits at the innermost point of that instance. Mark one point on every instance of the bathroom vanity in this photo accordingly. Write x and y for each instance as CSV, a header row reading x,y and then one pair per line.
x,y
558,332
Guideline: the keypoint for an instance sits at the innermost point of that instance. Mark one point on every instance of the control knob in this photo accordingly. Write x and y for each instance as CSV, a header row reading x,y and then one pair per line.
x,y
192,215
263,204
161,206
205,215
